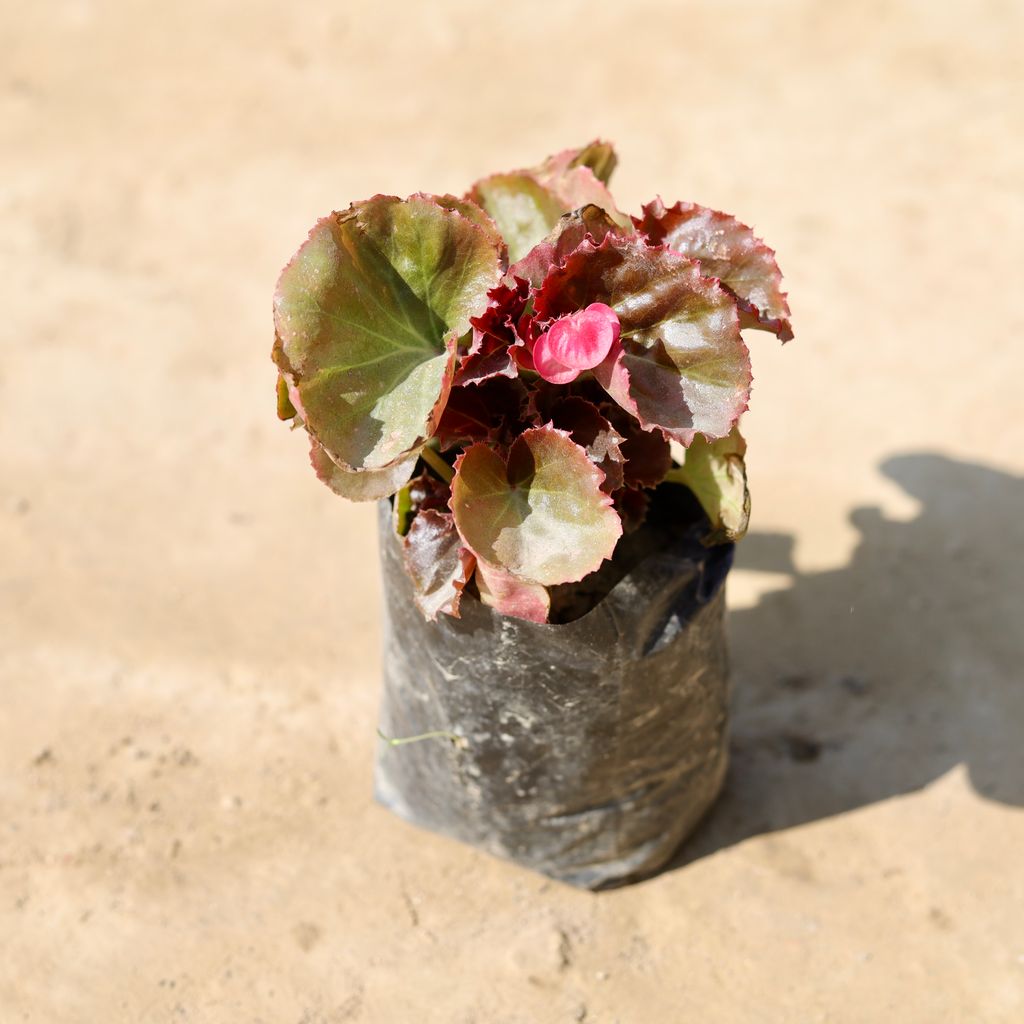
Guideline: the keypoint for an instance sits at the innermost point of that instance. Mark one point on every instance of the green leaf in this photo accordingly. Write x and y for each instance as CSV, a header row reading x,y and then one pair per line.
x,y
437,563
527,204
401,510
285,409
524,210
598,155
681,365
716,473
362,484
368,314
481,218
542,516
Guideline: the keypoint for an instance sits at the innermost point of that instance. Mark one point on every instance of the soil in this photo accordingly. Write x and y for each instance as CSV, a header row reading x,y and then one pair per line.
x,y
188,619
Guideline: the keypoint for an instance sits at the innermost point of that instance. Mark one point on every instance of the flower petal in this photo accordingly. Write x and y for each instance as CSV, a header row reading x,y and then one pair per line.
x,y
548,366
576,342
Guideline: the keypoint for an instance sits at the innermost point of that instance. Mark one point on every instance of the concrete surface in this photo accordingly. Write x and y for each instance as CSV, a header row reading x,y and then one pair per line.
x,y
188,625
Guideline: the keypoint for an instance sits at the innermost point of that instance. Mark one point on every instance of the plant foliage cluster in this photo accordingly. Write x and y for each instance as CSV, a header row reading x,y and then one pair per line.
x,y
521,367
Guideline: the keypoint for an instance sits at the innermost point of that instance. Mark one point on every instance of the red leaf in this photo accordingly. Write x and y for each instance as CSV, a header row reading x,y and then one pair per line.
x,y
510,596
491,411
437,563
588,428
680,364
648,456
631,503
481,366
727,250
497,326
590,223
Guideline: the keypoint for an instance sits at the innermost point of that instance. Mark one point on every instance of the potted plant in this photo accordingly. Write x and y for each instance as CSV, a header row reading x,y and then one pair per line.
x,y
543,394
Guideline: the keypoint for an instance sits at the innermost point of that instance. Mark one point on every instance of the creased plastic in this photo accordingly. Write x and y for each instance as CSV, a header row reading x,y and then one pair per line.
x,y
586,751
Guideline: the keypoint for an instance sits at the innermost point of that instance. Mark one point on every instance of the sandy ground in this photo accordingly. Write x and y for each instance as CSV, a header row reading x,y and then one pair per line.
x,y
188,620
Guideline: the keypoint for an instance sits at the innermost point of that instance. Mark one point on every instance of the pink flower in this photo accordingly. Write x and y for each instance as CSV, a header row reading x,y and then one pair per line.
x,y
575,343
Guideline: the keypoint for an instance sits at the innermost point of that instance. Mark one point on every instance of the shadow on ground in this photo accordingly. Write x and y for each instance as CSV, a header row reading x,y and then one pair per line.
x,y
871,681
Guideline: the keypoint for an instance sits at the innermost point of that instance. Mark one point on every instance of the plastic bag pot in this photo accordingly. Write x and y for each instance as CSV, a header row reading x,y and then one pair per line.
x,y
586,751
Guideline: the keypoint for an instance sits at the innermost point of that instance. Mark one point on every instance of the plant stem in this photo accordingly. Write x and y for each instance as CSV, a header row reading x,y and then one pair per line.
x,y
437,464
436,735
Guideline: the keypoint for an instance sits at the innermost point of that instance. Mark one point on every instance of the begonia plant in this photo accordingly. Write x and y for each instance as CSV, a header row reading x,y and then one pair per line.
x,y
513,367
